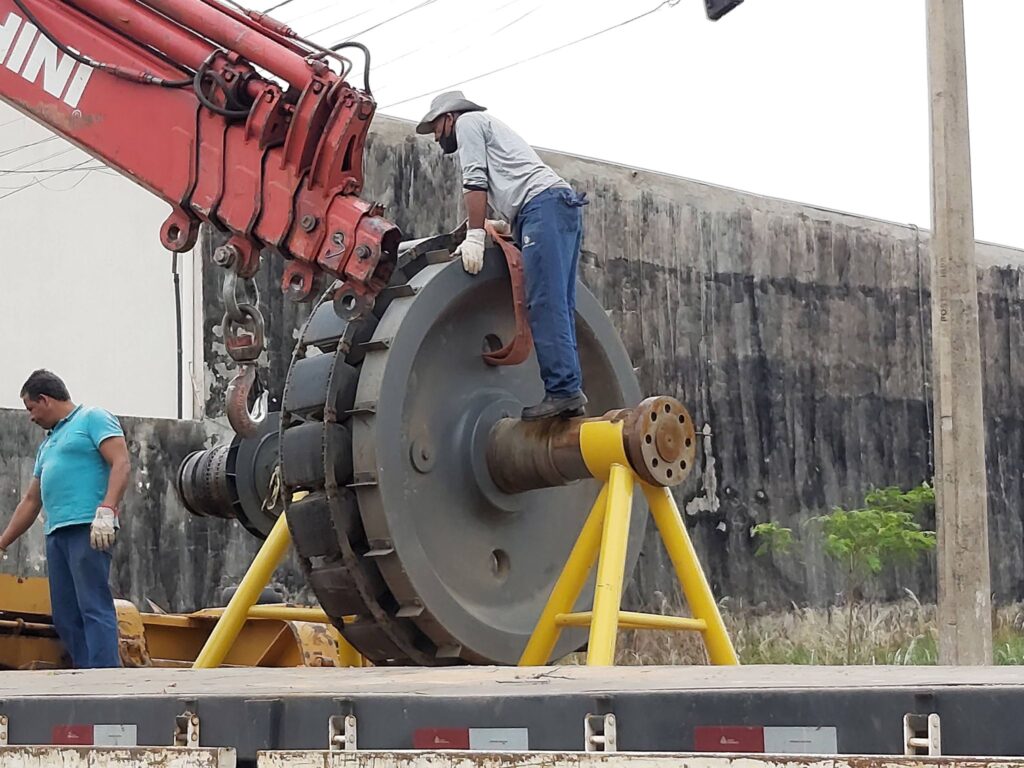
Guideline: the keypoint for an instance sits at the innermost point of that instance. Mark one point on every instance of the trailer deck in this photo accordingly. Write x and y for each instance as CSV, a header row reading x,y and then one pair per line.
x,y
788,709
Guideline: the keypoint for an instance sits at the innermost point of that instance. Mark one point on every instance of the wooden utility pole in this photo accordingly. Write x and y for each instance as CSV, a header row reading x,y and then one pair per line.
x,y
964,589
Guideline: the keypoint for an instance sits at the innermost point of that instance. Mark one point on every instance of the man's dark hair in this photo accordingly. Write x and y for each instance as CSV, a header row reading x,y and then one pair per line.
x,y
44,382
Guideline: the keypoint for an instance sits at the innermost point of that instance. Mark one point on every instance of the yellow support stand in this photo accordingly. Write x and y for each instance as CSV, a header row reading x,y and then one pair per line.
x,y
603,539
226,630
242,605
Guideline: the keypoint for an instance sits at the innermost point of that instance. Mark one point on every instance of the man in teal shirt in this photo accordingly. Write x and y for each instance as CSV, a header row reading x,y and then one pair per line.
x,y
80,476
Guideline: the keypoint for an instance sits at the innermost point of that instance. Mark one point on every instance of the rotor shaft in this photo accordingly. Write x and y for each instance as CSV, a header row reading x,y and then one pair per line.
x,y
658,437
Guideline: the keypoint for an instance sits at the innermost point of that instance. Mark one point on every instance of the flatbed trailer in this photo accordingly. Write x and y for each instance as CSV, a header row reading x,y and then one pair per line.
x,y
183,757
752,709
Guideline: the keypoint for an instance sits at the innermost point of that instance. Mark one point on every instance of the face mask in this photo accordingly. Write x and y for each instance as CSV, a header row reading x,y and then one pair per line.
x,y
449,141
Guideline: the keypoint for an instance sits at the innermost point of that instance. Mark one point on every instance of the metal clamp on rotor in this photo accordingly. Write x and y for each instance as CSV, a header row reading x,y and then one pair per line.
x,y
517,350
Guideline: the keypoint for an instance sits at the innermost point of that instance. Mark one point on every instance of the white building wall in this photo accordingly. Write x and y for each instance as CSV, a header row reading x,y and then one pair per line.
x,y
86,288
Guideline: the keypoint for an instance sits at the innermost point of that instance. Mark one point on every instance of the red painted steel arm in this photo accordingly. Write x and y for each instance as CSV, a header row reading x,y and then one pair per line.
x,y
284,175
102,114
183,111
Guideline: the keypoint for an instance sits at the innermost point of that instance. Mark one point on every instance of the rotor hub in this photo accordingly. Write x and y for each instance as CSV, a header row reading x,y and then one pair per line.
x,y
660,441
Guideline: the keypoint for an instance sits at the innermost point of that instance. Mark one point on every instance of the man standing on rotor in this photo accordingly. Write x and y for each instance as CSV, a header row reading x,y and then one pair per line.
x,y
501,170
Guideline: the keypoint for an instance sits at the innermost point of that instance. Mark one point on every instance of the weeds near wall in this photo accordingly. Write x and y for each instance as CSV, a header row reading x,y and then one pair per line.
x,y
862,541
904,632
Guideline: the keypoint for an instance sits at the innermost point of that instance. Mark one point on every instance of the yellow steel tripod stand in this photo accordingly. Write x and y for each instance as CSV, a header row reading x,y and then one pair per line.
x,y
243,604
604,538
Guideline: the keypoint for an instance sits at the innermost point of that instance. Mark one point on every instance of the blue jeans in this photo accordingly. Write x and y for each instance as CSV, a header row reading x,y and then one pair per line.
x,y
80,599
549,229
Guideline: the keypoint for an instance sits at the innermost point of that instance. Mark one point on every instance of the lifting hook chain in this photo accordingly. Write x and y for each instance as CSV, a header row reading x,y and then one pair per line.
x,y
242,327
244,339
229,293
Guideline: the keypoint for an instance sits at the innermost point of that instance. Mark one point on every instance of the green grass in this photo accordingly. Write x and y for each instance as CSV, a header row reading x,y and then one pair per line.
x,y
1008,647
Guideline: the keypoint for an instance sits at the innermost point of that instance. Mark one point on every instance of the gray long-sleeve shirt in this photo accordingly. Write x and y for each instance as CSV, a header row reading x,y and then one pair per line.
x,y
496,159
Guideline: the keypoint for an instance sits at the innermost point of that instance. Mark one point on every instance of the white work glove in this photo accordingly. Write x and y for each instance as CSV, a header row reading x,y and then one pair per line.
x,y
103,529
501,227
472,251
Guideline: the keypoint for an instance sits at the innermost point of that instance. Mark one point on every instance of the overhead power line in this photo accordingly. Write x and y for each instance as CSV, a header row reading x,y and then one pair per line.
x,y
534,57
38,160
516,20
78,183
51,176
292,22
449,33
454,53
26,146
379,24
37,171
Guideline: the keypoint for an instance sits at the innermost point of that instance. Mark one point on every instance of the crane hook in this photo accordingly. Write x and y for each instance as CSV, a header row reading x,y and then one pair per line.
x,y
246,401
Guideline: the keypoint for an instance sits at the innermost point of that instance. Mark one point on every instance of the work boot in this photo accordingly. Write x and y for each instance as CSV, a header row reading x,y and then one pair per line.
x,y
550,407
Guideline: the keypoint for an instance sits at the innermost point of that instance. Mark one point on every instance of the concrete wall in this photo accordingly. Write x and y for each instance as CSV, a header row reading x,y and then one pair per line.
x,y
797,336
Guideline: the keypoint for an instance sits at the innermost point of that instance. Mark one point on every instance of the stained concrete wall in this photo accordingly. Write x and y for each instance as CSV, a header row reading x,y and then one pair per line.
x,y
797,336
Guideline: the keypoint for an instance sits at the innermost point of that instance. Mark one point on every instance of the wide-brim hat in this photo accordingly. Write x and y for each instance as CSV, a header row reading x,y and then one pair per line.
x,y
450,101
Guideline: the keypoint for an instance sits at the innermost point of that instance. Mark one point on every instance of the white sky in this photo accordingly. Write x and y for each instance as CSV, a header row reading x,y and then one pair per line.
x,y
819,101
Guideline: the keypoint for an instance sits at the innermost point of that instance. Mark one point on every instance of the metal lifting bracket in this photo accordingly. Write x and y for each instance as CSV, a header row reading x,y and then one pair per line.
x,y
342,733
600,734
922,735
186,730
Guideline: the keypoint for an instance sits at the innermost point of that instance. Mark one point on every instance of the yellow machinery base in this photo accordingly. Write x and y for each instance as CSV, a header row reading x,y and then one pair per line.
x,y
270,635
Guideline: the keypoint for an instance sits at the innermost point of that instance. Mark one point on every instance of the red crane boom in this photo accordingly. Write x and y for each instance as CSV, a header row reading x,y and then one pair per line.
x,y
233,120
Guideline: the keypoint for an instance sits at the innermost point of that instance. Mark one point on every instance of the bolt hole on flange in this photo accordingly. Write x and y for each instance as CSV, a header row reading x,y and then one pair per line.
x,y
659,439
500,564
348,302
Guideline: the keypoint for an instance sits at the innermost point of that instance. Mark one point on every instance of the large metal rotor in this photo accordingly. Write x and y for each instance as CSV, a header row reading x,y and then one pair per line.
x,y
387,479
474,563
